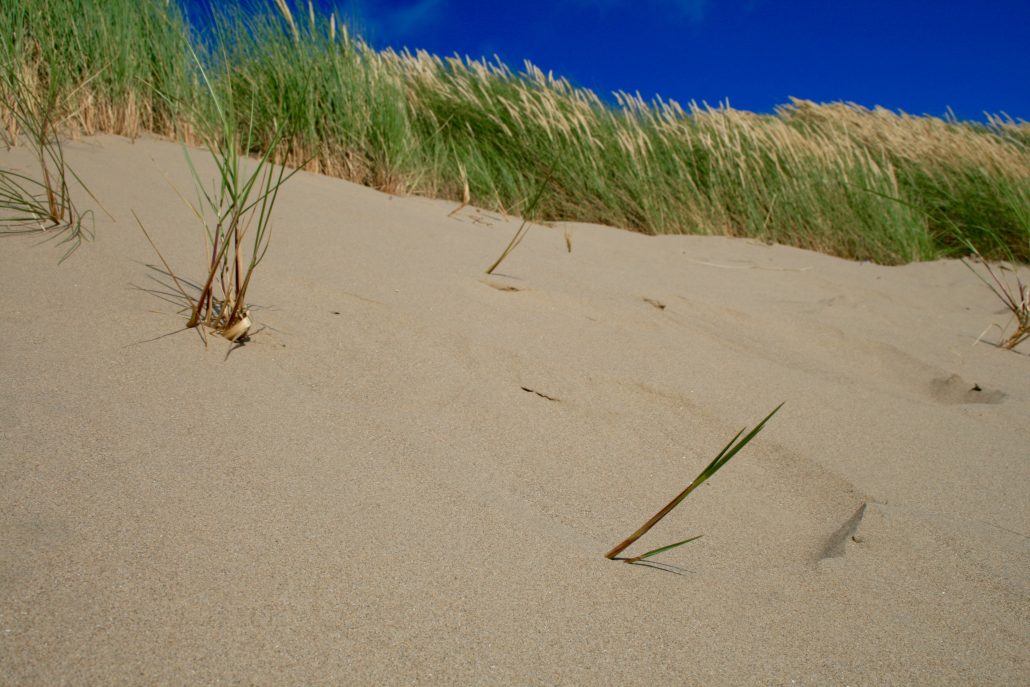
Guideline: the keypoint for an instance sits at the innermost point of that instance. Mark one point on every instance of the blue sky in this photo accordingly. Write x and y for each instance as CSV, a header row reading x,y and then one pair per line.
x,y
918,56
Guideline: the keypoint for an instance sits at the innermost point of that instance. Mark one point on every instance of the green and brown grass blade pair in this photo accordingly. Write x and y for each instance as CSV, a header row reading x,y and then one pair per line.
x,y
731,449
523,229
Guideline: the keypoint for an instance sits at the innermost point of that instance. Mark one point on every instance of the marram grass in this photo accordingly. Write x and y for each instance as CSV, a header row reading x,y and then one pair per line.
x,y
523,229
236,219
1014,296
38,200
838,178
731,449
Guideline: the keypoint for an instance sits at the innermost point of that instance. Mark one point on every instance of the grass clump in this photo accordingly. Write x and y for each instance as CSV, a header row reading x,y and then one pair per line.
x,y
731,449
236,216
43,203
1014,296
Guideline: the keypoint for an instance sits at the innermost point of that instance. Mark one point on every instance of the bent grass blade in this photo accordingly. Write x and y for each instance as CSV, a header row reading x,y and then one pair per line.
x,y
731,449
524,227
662,549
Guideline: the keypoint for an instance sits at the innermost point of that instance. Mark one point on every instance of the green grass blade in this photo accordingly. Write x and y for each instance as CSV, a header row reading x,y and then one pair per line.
x,y
524,227
721,459
725,457
662,549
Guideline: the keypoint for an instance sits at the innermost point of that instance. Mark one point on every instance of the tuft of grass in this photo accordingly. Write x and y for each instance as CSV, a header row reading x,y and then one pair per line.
x,y
731,449
43,204
1015,297
236,219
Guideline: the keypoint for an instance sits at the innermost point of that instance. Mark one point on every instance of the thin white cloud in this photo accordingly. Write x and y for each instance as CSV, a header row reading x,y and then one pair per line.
x,y
400,22
694,10
417,15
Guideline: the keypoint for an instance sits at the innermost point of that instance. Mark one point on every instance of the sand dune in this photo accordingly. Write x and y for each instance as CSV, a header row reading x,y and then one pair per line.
x,y
412,472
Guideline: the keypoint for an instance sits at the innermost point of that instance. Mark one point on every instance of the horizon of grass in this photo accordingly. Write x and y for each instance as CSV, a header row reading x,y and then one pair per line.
x,y
838,178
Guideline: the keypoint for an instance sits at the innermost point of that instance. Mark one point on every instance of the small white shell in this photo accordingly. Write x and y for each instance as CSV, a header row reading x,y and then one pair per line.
x,y
239,329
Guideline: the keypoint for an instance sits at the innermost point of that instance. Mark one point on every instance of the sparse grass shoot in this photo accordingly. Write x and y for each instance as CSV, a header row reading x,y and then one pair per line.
x,y
520,233
1015,297
43,204
720,460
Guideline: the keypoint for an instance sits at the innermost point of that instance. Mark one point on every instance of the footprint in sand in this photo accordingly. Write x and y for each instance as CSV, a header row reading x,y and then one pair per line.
x,y
836,545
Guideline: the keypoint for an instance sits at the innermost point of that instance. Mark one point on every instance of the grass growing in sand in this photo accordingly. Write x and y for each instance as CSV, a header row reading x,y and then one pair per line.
x,y
31,204
520,233
236,219
1014,296
839,178
731,449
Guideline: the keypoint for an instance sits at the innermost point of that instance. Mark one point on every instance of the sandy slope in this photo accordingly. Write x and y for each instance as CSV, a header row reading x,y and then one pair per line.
x,y
366,493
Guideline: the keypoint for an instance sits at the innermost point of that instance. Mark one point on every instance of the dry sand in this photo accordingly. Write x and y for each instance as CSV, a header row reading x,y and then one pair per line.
x,y
366,493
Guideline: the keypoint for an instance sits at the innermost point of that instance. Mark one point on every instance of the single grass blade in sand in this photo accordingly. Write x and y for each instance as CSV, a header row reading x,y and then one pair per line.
x,y
524,227
731,449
